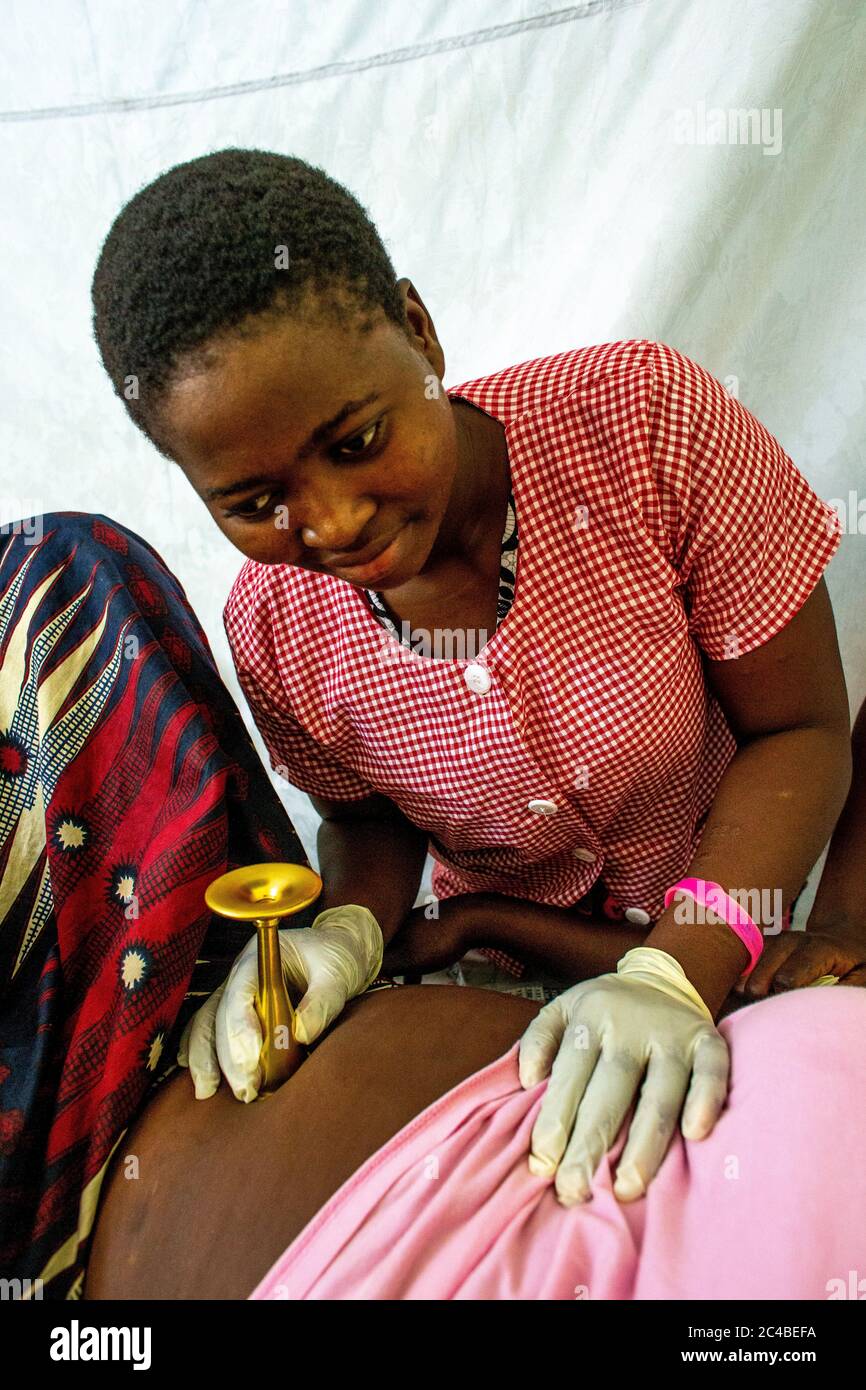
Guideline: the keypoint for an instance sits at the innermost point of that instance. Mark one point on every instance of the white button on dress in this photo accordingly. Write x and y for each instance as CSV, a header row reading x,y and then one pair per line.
x,y
638,916
543,808
477,677
585,854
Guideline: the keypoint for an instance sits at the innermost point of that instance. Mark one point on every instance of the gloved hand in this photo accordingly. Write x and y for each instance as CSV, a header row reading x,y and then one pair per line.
x,y
600,1035
332,960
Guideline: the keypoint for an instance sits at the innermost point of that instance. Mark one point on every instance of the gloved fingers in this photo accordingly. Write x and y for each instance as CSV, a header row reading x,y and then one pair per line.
x,y
355,937
653,1124
540,1043
239,1033
606,1103
331,954
324,1000
197,1050
708,1090
571,1072
295,967
183,1043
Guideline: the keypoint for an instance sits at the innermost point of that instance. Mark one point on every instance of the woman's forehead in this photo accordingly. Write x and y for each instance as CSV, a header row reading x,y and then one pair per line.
x,y
290,378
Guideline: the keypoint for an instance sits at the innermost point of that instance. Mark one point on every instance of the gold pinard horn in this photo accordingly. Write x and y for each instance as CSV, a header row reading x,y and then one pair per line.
x,y
265,893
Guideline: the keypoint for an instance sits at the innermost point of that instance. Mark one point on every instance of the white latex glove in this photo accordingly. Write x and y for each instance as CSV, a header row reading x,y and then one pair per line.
x,y
600,1036
332,960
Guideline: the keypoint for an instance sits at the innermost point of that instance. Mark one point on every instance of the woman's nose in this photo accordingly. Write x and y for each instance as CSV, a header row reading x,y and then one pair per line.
x,y
333,528
329,535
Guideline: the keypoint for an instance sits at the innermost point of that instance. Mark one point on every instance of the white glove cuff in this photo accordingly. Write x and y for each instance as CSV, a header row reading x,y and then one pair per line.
x,y
656,967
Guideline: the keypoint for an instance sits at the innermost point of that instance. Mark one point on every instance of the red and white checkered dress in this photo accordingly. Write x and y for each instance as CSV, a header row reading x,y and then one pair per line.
x,y
658,519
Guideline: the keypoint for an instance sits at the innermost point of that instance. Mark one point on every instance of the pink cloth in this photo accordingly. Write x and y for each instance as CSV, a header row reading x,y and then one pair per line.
x,y
771,1205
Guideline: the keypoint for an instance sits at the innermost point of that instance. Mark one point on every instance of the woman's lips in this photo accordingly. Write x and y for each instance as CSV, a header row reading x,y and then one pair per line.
x,y
371,571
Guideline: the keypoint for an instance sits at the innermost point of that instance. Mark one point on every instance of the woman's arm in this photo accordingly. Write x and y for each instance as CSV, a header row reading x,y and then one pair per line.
x,y
834,942
555,939
371,854
840,902
782,792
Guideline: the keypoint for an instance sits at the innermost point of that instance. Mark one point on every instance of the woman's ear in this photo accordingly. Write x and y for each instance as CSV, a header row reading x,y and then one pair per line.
x,y
420,325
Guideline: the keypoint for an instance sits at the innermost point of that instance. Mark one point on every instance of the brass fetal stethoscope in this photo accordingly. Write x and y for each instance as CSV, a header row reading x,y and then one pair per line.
x,y
264,894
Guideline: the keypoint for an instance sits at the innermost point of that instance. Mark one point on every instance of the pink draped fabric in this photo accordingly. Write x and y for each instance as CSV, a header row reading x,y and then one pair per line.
x,y
771,1205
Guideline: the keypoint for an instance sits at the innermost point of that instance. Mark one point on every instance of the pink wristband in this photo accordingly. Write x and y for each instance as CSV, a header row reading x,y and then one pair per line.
x,y
711,895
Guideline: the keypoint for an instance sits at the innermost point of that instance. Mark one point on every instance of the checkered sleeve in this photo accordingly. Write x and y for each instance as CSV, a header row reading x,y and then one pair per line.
x,y
749,537
294,752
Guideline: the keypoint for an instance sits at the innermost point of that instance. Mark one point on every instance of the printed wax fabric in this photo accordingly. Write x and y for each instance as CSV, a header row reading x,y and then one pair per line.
x,y
127,783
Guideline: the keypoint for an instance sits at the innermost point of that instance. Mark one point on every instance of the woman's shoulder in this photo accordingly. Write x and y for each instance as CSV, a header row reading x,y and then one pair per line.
x,y
265,597
537,384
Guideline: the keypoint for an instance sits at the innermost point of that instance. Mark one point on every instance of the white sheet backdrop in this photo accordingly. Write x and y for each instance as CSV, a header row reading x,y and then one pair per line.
x,y
527,164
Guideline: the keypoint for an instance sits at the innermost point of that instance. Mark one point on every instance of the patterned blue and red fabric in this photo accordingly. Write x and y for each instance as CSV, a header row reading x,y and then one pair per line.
x,y
127,782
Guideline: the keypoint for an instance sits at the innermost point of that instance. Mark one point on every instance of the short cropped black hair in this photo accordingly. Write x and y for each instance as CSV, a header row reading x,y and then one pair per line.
x,y
196,252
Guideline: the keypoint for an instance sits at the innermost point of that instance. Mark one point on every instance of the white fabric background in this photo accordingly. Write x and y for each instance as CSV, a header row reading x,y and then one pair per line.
x,y
521,161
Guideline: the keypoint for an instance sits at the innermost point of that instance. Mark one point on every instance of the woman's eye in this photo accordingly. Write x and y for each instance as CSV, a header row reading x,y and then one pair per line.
x,y
370,434
255,507
264,503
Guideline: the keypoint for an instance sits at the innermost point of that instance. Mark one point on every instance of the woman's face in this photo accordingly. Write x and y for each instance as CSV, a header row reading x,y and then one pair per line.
x,y
313,439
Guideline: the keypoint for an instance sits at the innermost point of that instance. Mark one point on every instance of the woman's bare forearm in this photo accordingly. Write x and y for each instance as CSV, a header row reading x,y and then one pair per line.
x,y
779,797
841,895
552,938
375,862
